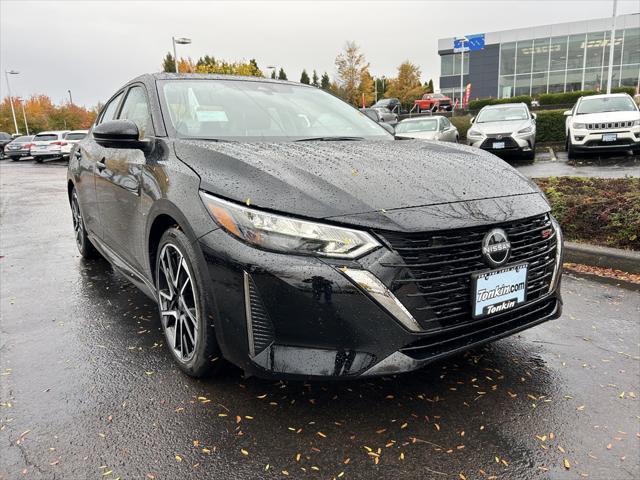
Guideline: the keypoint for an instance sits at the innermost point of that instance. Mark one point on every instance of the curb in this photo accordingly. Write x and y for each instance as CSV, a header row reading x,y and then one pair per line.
x,y
604,257
600,279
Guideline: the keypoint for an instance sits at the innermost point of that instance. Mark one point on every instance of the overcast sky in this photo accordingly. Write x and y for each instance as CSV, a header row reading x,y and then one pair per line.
x,y
93,47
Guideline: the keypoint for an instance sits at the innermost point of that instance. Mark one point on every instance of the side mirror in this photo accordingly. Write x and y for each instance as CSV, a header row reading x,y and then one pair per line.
x,y
388,128
473,119
120,134
567,113
534,116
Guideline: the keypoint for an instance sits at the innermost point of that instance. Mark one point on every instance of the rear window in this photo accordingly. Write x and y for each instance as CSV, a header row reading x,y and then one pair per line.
x,y
45,137
75,136
23,139
4,136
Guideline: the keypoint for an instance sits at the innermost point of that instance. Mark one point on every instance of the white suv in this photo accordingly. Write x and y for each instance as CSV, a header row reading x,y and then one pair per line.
x,y
71,138
48,145
603,123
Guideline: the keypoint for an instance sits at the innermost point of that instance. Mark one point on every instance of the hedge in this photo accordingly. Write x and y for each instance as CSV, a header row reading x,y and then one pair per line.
x,y
462,124
600,211
570,98
549,125
475,105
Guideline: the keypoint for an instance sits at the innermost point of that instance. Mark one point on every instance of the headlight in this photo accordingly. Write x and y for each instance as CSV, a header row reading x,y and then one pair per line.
x,y
285,234
635,123
473,133
528,129
579,126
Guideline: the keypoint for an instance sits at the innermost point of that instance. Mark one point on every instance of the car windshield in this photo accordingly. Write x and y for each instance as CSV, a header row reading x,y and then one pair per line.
x,y
503,114
429,125
23,139
75,136
45,137
606,104
237,110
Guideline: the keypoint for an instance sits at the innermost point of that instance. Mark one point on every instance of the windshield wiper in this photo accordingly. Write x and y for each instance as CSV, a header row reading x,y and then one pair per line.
x,y
329,139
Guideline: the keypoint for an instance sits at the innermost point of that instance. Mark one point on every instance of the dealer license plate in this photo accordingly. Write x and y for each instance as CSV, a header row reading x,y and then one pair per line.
x,y
498,145
496,291
609,137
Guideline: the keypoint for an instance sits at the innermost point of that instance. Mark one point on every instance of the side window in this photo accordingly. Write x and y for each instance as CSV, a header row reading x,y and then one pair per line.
x,y
445,123
136,109
109,112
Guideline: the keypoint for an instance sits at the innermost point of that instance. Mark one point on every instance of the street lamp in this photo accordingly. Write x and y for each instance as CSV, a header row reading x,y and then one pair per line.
x,y
13,112
612,40
179,41
24,114
70,98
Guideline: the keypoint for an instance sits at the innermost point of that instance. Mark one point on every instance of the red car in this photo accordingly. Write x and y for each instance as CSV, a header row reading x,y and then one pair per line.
x,y
434,102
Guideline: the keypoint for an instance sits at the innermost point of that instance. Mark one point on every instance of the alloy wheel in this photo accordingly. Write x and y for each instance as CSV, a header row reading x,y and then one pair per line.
x,y
78,223
178,303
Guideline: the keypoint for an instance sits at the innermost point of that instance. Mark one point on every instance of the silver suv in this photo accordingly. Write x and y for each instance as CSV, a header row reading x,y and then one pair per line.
x,y
504,128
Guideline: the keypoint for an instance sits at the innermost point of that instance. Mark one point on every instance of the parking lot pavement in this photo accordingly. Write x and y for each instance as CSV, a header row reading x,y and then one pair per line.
x,y
587,166
89,391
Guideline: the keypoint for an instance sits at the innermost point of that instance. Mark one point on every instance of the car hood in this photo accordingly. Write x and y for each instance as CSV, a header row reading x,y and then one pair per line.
x,y
607,117
333,179
511,126
419,135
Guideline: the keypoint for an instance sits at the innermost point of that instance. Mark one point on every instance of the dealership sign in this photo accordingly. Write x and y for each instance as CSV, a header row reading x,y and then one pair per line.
x,y
469,43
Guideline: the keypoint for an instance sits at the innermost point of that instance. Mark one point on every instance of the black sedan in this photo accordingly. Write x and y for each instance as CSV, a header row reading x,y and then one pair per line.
x,y
280,229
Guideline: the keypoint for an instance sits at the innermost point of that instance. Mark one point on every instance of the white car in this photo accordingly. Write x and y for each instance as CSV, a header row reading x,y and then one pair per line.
x,y
603,123
428,128
48,145
71,138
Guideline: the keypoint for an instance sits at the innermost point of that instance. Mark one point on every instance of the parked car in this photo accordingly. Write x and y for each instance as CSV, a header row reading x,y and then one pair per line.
x,y
303,240
70,139
380,115
18,147
508,128
48,145
434,102
603,123
393,104
428,128
5,138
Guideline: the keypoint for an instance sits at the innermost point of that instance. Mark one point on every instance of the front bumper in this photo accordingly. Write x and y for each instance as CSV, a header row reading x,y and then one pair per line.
x,y
297,317
592,141
512,143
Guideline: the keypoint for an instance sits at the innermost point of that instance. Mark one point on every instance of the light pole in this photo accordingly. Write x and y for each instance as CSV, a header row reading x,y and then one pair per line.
x,y
24,115
178,41
70,99
13,112
612,39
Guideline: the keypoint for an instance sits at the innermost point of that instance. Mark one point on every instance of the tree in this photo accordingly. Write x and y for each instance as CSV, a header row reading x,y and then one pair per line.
x,y
429,86
185,65
273,73
209,64
350,65
325,81
282,75
406,87
315,81
168,64
366,88
304,78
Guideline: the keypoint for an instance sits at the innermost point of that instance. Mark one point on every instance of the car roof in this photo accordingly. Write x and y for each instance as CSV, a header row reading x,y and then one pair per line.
x,y
78,131
150,77
499,105
53,132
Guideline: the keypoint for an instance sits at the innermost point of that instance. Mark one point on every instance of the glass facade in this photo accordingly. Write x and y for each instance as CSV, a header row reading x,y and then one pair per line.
x,y
566,63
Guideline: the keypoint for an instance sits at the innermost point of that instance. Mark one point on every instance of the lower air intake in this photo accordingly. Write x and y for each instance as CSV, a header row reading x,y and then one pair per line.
x,y
259,326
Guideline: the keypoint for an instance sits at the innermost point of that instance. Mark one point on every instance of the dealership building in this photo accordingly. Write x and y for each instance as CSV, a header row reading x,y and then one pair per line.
x,y
548,59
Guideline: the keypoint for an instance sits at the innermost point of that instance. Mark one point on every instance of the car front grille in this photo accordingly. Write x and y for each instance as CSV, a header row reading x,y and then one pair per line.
x,y
435,284
609,125
508,140
615,143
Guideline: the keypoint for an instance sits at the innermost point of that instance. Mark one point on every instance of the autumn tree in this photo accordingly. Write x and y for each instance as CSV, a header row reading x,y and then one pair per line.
x,y
366,88
186,65
350,65
209,64
406,86
315,81
304,77
168,64
43,115
325,81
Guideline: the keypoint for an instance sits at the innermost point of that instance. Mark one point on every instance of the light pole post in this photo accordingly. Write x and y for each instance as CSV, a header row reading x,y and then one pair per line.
x,y
612,39
13,112
70,98
461,77
24,116
178,41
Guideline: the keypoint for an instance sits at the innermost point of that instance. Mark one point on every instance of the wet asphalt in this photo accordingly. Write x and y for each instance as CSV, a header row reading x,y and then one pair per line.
x,y
88,391
558,165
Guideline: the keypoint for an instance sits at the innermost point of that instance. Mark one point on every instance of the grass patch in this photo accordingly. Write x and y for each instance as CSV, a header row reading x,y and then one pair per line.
x,y
599,211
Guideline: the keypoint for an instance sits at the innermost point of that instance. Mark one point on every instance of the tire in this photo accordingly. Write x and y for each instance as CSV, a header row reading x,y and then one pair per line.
x,y
38,159
198,353
85,247
529,155
571,153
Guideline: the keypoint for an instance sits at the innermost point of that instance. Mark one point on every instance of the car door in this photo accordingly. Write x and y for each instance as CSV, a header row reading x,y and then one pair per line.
x,y
449,131
118,180
85,156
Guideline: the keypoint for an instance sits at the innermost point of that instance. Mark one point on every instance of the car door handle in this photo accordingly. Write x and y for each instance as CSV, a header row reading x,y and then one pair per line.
x,y
101,165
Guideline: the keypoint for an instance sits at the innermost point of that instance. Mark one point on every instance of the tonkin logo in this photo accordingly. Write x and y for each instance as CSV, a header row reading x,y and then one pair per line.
x,y
496,248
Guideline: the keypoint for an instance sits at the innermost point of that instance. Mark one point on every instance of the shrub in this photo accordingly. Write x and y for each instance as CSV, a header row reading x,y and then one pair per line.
x,y
550,126
462,124
475,105
600,211
569,98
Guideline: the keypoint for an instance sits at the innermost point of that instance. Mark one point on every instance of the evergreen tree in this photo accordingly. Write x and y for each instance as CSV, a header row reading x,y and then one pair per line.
x,y
273,73
325,81
315,81
168,63
282,75
304,78
430,86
